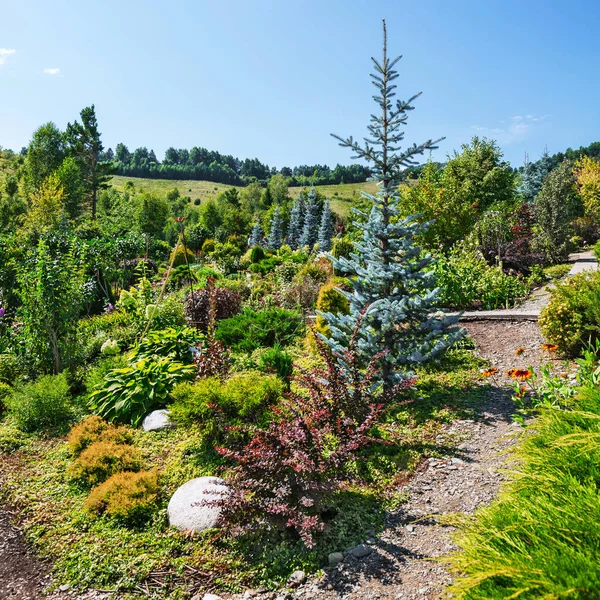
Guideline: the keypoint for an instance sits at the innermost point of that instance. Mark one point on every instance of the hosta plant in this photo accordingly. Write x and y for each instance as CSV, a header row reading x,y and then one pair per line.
x,y
129,394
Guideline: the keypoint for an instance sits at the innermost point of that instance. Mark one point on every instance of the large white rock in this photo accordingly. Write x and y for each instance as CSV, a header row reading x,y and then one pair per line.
x,y
186,509
157,420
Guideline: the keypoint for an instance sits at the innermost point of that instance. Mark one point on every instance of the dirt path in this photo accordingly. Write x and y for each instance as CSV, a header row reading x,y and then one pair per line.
x,y
399,564
23,576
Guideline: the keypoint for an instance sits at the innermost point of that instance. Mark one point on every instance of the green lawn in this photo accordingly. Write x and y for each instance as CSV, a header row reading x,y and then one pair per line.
x,y
342,195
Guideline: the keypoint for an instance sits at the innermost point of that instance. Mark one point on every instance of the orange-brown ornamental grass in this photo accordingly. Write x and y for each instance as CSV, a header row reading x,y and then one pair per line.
x,y
520,351
550,347
519,374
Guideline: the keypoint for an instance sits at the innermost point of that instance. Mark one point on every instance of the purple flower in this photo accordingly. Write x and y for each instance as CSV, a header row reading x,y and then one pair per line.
x,y
2,312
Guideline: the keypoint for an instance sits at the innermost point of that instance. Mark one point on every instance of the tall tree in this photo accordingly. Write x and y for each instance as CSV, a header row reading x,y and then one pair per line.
x,y
256,237
556,206
295,225
310,228
393,293
45,154
326,228
275,230
86,147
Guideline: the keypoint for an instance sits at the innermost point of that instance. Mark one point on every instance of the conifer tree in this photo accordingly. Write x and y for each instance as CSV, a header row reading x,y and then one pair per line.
x,y
392,281
256,236
296,220
275,230
528,188
326,228
310,229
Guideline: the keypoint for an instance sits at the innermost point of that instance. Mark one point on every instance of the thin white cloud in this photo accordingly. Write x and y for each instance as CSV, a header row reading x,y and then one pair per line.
x,y
5,53
514,129
52,70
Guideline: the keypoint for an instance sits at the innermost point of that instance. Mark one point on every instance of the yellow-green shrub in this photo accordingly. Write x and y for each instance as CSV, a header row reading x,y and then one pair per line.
x,y
129,497
178,257
572,317
95,429
101,459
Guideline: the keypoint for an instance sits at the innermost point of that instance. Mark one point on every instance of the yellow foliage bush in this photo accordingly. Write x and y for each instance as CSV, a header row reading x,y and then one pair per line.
x,y
128,496
95,429
102,459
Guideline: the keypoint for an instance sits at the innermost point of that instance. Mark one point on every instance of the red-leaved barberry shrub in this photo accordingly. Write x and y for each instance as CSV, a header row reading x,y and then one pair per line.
x,y
284,474
197,305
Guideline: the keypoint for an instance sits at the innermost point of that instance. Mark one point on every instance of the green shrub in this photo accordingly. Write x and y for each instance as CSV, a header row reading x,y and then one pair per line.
x,y
208,246
252,329
130,393
10,368
330,301
168,314
256,254
278,361
94,429
178,257
244,397
128,497
168,343
466,280
342,247
540,538
557,271
572,317
266,265
94,331
5,390
101,459
597,250
41,405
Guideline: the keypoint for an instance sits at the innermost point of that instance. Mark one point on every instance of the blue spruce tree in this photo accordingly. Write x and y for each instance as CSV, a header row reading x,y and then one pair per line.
x,y
310,229
275,230
296,220
533,176
528,187
256,237
326,228
393,289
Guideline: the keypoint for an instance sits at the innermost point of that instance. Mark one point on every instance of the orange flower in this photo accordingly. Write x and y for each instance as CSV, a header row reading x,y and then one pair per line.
x,y
490,372
520,374
550,347
520,351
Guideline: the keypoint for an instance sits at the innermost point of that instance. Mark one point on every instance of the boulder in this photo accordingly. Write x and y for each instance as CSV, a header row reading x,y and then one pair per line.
x,y
335,558
361,551
157,420
186,509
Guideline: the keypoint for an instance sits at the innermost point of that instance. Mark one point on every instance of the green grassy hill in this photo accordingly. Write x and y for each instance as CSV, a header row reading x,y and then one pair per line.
x,y
342,195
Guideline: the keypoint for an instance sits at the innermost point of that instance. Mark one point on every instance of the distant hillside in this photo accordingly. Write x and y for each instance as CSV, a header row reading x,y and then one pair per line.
x,y
341,195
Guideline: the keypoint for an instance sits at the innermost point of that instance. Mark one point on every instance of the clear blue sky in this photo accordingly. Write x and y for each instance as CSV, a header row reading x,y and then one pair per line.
x,y
271,79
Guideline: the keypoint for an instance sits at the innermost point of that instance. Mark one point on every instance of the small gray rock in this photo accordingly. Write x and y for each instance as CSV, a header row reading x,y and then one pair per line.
x,y
296,578
209,597
157,420
361,551
335,558
186,510
65,587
